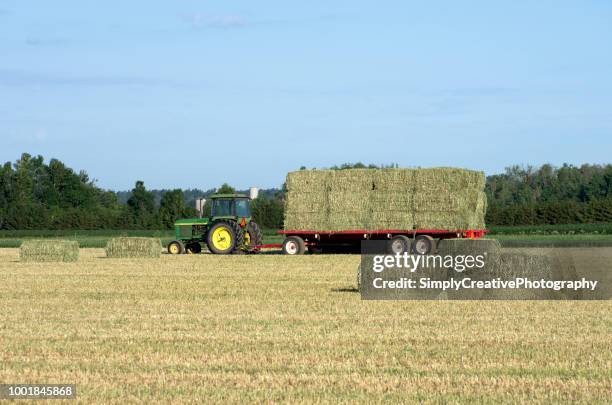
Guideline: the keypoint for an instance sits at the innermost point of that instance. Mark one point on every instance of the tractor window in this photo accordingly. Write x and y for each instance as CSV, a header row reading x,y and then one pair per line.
x,y
222,208
242,208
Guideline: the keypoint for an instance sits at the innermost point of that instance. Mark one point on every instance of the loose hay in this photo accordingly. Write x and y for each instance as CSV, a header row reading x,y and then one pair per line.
x,y
134,248
49,250
438,198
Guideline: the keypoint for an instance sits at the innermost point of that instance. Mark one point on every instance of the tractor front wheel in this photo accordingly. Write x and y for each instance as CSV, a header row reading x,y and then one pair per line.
x,y
176,247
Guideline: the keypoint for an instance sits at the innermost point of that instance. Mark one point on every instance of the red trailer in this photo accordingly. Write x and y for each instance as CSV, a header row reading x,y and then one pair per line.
x,y
419,241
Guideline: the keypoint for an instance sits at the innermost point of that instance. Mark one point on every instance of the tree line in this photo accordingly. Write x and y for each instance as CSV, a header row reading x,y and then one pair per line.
x,y
39,195
550,195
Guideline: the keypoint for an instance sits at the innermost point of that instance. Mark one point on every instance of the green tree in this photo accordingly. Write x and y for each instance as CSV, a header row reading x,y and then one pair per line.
x,y
268,212
171,208
141,207
226,189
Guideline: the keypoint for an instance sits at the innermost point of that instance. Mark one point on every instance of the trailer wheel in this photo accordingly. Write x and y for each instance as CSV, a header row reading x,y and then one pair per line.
x,y
423,245
176,247
398,245
294,245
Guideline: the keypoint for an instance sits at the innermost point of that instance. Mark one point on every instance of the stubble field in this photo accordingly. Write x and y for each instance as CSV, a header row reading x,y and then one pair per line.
x,y
276,328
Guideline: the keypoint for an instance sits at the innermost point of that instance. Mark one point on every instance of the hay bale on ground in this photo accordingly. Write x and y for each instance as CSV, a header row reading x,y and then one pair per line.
x,y
49,250
519,265
125,247
456,247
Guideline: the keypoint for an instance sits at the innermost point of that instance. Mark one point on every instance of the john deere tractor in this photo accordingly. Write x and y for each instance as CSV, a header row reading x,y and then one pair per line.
x,y
229,229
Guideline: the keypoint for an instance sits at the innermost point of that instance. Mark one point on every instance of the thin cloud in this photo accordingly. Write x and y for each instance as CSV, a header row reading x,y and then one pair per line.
x,y
28,78
228,21
484,91
200,20
45,42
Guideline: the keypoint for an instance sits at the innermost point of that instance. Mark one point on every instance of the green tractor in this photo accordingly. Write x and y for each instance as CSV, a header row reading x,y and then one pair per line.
x,y
229,229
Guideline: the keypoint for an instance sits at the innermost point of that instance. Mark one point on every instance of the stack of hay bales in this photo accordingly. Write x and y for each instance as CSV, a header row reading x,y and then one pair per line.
x,y
49,250
125,247
406,199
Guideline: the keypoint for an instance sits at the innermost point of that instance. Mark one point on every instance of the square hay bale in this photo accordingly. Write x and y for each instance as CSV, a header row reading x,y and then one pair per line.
x,y
49,250
463,247
350,180
390,220
451,221
306,221
340,201
345,220
393,180
391,201
448,179
306,202
125,247
438,202
312,181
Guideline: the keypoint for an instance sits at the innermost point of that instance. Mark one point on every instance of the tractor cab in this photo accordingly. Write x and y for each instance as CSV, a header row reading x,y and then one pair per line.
x,y
228,229
230,206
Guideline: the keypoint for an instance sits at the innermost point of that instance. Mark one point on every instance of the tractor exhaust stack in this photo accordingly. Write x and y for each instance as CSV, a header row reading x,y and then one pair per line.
x,y
199,206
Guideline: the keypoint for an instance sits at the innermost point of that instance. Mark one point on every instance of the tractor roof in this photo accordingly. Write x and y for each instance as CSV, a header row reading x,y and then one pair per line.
x,y
229,196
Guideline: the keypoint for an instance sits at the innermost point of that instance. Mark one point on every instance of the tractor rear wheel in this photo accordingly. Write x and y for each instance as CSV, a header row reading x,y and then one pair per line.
x,y
253,237
176,247
239,232
224,237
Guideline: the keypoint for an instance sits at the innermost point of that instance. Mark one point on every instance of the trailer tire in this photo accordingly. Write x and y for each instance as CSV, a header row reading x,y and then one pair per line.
x,y
399,244
423,245
294,245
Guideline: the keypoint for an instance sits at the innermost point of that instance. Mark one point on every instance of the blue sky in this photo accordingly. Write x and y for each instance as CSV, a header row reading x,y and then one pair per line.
x,y
194,93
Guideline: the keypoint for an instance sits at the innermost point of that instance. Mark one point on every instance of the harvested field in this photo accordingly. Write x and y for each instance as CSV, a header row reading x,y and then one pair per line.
x,y
49,250
276,328
127,247
438,198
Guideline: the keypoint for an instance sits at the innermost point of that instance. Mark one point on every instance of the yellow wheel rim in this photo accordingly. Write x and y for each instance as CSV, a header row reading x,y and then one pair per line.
x,y
174,249
247,238
222,238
